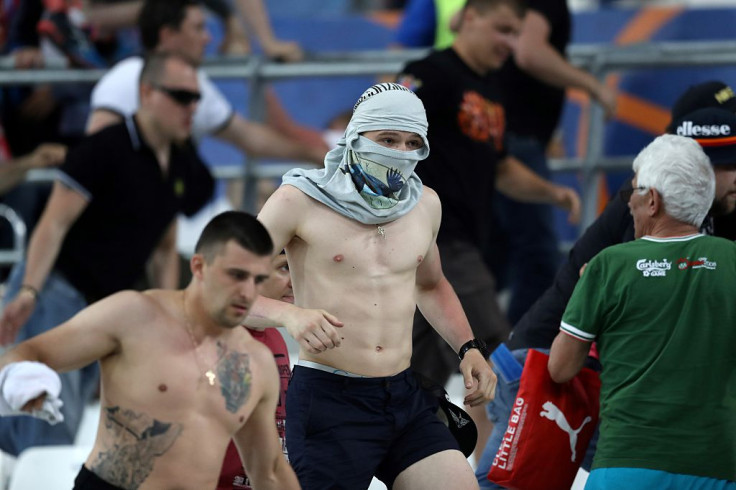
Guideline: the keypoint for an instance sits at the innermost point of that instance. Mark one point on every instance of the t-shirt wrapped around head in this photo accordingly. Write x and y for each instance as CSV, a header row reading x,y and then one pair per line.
x,y
361,179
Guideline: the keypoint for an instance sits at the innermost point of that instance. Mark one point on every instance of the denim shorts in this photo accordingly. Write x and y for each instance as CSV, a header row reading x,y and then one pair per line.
x,y
341,431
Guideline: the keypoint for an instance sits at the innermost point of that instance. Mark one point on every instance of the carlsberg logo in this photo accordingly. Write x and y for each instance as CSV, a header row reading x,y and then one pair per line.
x,y
687,128
653,268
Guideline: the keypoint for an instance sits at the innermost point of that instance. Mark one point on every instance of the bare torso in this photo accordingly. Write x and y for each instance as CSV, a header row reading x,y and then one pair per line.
x,y
162,424
365,277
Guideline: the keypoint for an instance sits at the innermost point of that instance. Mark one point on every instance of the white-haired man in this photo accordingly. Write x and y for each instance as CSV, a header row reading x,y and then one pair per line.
x,y
661,311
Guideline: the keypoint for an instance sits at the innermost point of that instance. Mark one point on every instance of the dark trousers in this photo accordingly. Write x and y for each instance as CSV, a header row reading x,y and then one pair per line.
x,y
523,247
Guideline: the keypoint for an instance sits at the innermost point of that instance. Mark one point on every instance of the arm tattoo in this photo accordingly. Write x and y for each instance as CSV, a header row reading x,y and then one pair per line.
x,y
233,369
138,439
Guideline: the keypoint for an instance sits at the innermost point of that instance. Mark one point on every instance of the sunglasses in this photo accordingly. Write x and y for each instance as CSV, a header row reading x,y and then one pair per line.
x,y
625,194
180,96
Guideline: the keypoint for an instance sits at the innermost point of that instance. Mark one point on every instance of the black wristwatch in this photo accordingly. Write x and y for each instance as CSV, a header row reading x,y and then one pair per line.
x,y
473,344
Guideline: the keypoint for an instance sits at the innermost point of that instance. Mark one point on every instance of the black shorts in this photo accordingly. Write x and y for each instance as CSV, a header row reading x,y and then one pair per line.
x,y
87,480
342,431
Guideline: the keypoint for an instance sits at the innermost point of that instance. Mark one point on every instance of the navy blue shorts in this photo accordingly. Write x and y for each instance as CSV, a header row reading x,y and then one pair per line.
x,y
341,431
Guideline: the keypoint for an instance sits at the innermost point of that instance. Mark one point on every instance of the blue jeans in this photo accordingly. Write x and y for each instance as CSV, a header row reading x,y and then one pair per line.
x,y
524,253
498,411
58,301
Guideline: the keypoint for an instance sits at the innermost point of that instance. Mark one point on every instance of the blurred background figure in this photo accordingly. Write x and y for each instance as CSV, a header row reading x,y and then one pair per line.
x,y
111,218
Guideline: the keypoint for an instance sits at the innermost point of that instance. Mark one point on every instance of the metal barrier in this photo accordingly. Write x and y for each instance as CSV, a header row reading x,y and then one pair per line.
x,y
600,60
11,256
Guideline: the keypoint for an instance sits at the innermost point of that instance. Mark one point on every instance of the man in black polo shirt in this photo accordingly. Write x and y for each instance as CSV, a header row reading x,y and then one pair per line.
x,y
467,131
111,213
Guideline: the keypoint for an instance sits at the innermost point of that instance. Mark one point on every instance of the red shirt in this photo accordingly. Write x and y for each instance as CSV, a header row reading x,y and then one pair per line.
x,y
232,475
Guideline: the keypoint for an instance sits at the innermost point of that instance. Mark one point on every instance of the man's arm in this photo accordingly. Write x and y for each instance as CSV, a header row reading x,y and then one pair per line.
x,y
100,119
517,181
90,335
313,329
113,16
441,307
261,141
535,55
62,210
255,16
163,266
566,357
584,315
45,155
258,441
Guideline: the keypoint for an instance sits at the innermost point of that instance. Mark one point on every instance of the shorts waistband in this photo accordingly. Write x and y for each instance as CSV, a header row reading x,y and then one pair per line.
x,y
328,369
315,370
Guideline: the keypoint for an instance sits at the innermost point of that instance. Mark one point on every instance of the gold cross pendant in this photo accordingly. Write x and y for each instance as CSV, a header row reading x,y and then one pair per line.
x,y
211,377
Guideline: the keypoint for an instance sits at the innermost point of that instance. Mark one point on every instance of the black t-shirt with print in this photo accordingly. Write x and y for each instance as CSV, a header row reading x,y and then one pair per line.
x,y
533,107
131,204
466,140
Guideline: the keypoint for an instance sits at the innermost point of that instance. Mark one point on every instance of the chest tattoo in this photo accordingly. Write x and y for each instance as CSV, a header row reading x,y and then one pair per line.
x,y
234,374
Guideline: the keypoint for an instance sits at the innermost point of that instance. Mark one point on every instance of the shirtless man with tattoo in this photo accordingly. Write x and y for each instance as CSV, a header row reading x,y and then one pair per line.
x,y
360,239
180,378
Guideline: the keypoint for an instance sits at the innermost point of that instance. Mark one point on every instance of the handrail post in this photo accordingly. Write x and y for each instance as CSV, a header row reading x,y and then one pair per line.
x,y
256,112
593,154
19,235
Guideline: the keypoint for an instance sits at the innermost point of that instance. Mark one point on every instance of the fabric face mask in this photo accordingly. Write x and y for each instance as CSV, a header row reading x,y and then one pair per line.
x,y
379,173
361,179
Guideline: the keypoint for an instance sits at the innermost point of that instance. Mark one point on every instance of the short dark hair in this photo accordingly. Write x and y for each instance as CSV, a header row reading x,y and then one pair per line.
x,y
154,66
518,6
242,227
156,14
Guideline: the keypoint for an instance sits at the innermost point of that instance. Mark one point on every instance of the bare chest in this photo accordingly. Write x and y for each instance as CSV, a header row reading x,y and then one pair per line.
x,y
330,242
214,387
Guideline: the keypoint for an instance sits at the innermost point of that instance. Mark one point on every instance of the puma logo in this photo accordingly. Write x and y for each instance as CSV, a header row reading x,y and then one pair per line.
x,y
555,414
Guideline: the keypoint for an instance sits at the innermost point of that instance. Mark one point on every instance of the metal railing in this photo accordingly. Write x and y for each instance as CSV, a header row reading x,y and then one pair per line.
x,y
15,254
600,60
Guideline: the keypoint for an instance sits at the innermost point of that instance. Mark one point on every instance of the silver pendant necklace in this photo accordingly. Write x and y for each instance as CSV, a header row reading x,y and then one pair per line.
x,y
381,231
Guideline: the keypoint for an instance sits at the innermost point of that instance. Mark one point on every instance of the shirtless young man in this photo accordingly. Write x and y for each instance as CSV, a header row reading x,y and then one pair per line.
x,y
179,377
360,239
